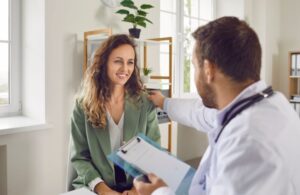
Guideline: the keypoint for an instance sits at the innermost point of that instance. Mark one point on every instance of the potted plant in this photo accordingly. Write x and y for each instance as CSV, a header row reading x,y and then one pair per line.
x,y
146,74
135,15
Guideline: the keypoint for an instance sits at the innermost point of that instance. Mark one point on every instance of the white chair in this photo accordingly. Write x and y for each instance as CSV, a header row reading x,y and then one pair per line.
x,y
71,172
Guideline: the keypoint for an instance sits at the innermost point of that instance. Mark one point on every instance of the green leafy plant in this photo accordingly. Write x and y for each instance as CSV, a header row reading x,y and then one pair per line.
x,y
134,14
147,71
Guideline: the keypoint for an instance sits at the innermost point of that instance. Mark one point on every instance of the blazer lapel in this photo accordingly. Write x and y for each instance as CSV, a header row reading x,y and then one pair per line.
x,y
131,118
104,140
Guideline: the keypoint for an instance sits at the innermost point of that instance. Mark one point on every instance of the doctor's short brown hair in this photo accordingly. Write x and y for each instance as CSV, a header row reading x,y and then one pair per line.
x,y
232,46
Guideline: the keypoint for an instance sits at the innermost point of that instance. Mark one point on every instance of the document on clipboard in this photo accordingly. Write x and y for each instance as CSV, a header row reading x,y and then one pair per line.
x,y
147,158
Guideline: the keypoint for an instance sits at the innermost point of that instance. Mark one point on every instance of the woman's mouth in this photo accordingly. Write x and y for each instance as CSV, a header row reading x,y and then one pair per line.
x,y
122,75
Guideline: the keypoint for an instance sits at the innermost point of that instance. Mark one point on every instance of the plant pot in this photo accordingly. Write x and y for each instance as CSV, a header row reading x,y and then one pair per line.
x,y
145,79
135,32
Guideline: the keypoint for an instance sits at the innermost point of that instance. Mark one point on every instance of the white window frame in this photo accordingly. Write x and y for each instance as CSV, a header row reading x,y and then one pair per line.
x,y
179,50
14,106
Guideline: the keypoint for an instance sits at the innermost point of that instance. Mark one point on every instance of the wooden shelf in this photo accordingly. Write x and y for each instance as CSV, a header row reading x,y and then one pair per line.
x,y
294,77
295,101
169,78
294,80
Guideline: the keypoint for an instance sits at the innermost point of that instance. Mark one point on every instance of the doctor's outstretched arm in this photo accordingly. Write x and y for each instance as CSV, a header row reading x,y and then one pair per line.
x,y
189,112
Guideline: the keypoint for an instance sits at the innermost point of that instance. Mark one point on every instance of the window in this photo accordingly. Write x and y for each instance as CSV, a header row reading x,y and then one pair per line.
x,y
179,19
4,52
9,57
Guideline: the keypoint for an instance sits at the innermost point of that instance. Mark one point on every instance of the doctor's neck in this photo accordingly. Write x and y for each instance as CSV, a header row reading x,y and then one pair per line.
x,y
228,90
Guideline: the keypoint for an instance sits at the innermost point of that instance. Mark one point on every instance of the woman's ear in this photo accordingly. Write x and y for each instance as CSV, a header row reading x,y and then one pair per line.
x,y
209,70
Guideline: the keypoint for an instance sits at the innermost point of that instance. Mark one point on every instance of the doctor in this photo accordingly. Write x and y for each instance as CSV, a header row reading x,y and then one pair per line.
x,y
254,134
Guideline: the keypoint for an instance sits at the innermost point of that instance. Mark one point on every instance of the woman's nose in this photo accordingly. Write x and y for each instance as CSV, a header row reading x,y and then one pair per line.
x,y
125,67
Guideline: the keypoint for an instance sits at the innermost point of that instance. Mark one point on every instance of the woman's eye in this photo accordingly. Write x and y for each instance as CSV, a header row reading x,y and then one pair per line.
x,y
130,63
118,61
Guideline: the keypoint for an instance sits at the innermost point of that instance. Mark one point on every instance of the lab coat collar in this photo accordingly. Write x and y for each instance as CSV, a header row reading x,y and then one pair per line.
x,y
247,92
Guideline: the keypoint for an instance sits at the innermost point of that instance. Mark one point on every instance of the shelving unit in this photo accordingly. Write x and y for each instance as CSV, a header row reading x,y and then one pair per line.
x,y
90,35
167,91
294,79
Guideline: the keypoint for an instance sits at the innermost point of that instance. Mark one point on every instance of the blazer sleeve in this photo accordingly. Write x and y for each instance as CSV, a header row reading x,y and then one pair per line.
x,y
152,130
80,153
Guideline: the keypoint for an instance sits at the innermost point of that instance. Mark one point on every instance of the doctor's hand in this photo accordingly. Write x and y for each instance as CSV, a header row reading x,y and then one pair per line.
x,y
147,188
157,98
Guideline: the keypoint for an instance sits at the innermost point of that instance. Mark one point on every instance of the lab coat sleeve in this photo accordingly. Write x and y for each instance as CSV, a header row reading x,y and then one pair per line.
x,y
163,191
247,166
190,112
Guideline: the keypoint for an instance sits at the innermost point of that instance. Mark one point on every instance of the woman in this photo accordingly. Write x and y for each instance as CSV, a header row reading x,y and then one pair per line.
x,y
111,109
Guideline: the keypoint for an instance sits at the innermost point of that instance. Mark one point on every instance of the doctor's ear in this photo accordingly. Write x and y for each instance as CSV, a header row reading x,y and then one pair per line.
x,y
209,70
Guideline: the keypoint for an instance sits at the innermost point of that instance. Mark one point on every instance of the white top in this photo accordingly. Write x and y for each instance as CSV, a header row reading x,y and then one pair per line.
x,y
116,138
257,153
115,131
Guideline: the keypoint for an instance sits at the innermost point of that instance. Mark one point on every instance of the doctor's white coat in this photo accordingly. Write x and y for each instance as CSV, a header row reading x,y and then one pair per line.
x,y
258,152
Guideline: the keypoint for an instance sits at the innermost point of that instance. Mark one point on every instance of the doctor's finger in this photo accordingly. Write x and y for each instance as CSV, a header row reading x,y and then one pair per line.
x,y
157,98
152,177
156,180
141,187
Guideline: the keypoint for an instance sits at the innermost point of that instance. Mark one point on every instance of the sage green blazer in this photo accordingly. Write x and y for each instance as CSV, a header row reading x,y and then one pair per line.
x,y
92,145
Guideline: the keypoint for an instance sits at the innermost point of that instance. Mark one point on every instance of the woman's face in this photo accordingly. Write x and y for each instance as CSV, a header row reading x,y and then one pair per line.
x,y
121,64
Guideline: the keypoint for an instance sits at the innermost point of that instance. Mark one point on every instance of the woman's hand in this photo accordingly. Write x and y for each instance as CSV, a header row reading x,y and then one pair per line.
x,y
111,193
130,192
102,189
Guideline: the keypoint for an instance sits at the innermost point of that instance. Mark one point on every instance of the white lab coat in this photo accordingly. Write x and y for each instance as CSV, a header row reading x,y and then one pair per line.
x,y
257,153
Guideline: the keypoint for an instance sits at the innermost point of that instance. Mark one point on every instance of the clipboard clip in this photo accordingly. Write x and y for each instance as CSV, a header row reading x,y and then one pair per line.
x,y
125,151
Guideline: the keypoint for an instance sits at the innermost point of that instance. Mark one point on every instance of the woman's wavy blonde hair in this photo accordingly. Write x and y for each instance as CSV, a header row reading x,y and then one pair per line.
x,y
95,90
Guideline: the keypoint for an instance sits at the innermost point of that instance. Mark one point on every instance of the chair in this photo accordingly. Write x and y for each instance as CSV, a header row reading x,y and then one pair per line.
x,y
71,172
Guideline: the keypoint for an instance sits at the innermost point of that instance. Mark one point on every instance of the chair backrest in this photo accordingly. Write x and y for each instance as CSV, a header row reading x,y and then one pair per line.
x,y
71,172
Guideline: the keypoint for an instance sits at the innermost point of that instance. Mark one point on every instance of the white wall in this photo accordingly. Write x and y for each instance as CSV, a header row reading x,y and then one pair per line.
x,y
277,23
229,8
37,160
33,59
264,17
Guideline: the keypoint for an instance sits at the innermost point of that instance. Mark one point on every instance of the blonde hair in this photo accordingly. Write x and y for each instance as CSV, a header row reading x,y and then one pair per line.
x,y
95,90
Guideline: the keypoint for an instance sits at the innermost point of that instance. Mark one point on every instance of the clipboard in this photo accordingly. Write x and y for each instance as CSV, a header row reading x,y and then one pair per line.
x,y
141,155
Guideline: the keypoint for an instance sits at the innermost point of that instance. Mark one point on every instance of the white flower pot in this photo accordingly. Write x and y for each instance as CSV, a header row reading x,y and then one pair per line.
x,y
145,79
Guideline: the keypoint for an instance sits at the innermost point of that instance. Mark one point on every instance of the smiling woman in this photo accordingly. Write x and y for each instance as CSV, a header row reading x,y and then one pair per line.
x,y
110,110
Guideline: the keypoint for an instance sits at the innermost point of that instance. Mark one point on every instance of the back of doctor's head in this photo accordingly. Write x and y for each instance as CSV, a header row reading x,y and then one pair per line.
x,y
232,46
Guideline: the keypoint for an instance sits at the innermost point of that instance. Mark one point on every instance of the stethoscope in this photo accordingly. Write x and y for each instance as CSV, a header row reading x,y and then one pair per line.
x,y
236,109
242,105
